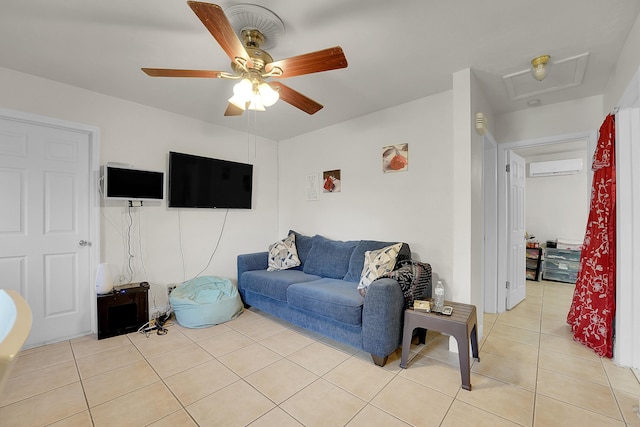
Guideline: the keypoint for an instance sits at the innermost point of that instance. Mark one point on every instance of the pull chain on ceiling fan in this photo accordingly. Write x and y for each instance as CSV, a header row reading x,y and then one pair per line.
x,y
257,28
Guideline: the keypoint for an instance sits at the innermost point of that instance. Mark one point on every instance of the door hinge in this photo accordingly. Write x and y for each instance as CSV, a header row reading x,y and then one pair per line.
x,y
508,168
508,285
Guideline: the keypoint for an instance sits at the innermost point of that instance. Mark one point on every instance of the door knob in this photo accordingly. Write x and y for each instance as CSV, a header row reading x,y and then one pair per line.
x,y
84,243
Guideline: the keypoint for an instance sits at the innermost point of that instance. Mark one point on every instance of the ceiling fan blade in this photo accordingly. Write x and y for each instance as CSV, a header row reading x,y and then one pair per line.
x,y
314,62
297,99
214,19
233,110
168,72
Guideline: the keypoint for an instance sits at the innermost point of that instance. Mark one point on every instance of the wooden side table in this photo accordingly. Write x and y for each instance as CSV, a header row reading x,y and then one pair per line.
x,y
462,324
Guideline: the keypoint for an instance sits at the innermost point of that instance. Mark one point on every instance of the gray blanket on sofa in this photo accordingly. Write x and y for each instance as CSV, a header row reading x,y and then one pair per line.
x,y
414,278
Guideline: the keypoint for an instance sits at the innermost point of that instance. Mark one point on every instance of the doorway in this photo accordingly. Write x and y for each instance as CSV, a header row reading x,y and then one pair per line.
x,y
49,224
548,144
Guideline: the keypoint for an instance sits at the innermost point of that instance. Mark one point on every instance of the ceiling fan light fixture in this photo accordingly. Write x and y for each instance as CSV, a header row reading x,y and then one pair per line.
x,y
256,95
539,67
268,95
243,89
238,102
256,104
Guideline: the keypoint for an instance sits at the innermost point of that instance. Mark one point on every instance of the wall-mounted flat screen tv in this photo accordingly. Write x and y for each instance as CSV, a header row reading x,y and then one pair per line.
x,y
127,183
203,182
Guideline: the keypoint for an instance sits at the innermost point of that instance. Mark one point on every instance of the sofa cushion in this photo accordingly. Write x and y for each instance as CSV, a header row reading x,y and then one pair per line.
x,y
273,284
331,298
356,262
378,263
283,254
303,246
329,258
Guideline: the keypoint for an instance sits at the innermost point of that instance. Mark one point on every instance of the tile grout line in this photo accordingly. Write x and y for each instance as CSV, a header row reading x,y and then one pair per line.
x,y
84,392
535,385
613,393
600,360
164,383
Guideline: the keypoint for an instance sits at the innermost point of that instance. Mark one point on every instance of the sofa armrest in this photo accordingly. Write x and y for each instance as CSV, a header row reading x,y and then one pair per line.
x,y
253,261
382,317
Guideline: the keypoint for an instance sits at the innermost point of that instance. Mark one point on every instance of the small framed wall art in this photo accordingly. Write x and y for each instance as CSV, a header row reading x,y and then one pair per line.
x,y
312,187
395,158
331,182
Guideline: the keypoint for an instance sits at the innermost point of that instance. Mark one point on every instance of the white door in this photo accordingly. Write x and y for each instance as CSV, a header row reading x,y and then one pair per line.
x,y
516,266
44,226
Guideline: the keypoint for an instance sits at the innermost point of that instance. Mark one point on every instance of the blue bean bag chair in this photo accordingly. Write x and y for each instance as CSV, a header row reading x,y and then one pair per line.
x,y
205,301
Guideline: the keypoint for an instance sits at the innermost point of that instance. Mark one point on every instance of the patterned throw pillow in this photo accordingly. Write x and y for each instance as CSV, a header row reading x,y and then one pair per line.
x,y
378,263
283,254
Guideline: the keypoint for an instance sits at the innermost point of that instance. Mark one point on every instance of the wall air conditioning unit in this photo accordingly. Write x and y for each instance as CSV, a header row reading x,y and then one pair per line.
x,y
555,168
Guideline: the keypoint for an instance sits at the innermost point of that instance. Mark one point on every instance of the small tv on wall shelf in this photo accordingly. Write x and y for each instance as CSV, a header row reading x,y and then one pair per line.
x,y
124,182
204,182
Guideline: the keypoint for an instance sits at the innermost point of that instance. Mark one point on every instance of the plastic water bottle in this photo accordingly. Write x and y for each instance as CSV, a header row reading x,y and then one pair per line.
x,y
438,299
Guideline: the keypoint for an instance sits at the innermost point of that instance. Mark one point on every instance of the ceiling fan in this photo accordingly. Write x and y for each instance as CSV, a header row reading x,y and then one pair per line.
x,y
252,65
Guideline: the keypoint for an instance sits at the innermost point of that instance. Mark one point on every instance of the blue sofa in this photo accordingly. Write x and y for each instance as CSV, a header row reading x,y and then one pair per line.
x,y
321,294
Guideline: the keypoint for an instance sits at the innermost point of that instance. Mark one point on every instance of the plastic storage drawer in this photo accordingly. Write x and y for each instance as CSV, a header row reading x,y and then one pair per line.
x,y
556,264
561,276
562,254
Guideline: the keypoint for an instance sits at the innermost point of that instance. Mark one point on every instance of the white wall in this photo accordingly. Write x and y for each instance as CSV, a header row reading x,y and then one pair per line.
x,y
477,244
468,223
558,206
413,206
462,188
142,136
626,67
581,115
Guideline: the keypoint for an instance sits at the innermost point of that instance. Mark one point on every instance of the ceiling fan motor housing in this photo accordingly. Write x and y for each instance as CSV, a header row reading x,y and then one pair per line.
x,y
252,39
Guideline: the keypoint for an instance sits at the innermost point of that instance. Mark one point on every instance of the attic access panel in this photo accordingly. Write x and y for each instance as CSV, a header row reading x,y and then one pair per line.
x,y
563,74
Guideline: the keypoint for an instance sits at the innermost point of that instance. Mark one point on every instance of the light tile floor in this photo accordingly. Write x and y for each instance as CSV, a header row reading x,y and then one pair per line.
x,y
259,371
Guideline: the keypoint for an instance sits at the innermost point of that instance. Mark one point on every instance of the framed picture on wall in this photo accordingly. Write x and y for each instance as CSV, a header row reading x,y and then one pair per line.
x,y
331,181
312,187
395,158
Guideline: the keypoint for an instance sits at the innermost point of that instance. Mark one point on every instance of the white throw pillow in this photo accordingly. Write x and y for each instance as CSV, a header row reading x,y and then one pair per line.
x,y
376,264
283,254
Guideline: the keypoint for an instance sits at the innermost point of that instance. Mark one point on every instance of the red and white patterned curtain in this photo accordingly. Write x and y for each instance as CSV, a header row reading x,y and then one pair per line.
x,y
592,310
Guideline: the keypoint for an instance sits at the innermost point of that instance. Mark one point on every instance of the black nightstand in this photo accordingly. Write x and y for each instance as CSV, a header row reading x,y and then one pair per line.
x,y
123,310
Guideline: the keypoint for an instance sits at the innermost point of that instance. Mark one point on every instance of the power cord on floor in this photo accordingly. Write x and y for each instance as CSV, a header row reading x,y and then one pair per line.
x,y
157,324
160,322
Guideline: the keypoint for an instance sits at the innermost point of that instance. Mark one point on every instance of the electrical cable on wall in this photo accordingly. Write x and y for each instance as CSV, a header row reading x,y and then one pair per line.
x,y
152,291
215,249
123,233
144,270
103,211
130,254
184,271
113,224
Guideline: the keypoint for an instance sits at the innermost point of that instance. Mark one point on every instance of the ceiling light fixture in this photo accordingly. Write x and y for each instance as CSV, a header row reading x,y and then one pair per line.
x,y
253,93
539,67
533,102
